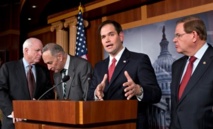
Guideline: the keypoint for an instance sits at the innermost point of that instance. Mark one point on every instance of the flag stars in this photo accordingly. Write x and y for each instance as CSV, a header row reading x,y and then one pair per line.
x,y
81,48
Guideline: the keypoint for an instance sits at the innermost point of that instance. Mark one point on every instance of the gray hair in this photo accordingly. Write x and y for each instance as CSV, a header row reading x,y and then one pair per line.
x,y
53,48
29,42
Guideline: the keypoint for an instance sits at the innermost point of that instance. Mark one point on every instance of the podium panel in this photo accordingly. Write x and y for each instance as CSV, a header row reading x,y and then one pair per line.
x,y
43,114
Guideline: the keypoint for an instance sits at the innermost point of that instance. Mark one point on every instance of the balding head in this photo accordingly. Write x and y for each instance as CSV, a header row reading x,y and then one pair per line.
x,y
32,48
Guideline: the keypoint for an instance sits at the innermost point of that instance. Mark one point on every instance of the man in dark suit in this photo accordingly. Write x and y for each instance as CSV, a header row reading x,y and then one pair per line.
x,y
77,68
14,84
192,108
133,76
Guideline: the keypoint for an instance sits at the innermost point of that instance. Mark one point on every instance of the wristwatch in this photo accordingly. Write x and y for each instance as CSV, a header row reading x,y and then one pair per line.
x,y
141,91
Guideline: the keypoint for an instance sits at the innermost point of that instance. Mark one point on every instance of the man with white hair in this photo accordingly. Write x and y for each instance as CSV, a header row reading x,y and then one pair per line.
x,y
14,82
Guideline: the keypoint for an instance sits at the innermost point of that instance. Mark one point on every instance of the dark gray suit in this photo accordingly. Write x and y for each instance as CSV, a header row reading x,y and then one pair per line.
x,y
195,108
13,86
79,71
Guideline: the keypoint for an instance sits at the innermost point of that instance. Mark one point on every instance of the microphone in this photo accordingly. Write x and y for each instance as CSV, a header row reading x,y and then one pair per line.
x,y
65,79
89,77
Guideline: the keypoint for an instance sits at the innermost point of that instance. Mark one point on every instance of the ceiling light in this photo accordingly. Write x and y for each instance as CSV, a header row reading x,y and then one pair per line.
x,y
34,6
29,19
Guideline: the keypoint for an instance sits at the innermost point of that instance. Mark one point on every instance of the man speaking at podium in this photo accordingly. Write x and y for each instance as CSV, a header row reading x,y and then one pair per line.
x,y
124,74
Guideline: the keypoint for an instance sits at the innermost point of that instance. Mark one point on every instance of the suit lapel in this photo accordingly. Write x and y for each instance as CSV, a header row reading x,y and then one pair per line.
x,y
103,71
119,67
20,72
57,79
71,73
202,67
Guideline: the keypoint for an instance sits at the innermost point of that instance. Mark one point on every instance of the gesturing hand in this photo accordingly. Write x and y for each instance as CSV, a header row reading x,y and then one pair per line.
x,y
131,88
99,91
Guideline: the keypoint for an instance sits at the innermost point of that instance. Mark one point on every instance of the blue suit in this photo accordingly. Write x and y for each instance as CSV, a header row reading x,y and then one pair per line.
x,y
141,71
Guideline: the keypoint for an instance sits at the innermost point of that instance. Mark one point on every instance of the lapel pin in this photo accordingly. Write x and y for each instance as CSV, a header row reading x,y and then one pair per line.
x,y
124,61
204,62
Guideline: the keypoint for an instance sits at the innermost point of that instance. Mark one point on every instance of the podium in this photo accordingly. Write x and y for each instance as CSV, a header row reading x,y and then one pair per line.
x,y
57,114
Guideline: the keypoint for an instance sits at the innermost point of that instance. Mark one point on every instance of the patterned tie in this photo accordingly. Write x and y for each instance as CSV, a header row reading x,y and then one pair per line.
x,y
30,81
64,83
111,68
186,76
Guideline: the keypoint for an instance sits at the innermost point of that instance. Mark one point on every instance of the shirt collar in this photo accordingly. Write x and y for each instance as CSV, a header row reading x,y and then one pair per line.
x,y
199,54
66,66
26,64
117,57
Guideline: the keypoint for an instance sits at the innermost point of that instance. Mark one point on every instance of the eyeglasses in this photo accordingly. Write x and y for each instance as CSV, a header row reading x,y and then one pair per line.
x,y
179,35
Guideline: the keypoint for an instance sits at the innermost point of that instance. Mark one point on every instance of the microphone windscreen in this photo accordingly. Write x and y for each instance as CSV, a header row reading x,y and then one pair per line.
x,y
66,78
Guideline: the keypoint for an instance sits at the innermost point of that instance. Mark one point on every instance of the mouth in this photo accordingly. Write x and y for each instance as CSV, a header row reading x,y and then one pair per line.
x,y
109,45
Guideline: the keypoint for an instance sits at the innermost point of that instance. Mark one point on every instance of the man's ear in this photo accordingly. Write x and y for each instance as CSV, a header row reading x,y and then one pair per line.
x,y
195,36
26,50
121,35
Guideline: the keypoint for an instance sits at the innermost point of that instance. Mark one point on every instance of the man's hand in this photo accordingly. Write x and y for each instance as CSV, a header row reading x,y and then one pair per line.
x,y
15,119
99,91
131,89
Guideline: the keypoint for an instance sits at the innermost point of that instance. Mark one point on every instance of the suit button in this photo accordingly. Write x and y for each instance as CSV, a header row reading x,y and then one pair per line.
x,y
180,109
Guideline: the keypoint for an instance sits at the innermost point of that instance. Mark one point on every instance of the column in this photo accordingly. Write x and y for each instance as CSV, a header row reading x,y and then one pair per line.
x,y
71,23
61,35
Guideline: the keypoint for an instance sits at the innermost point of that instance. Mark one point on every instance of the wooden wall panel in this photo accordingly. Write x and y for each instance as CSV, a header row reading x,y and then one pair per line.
x,y
168,6
9,30
48,37
126,16
44,34
10,43
95,49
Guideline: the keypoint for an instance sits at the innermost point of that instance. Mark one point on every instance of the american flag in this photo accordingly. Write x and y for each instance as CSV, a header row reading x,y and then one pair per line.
x,y
81,46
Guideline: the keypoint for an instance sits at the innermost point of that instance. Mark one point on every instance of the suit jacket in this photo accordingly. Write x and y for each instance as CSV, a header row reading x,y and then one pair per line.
x,y
13,86
141,71
195,108
79,71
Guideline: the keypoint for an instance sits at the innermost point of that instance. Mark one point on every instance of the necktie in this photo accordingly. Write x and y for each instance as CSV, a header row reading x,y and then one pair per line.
x,y
186,76
30,81
64,83
111,68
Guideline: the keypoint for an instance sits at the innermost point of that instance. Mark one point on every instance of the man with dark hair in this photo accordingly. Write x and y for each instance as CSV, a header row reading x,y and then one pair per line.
x,y
192,81
124,75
